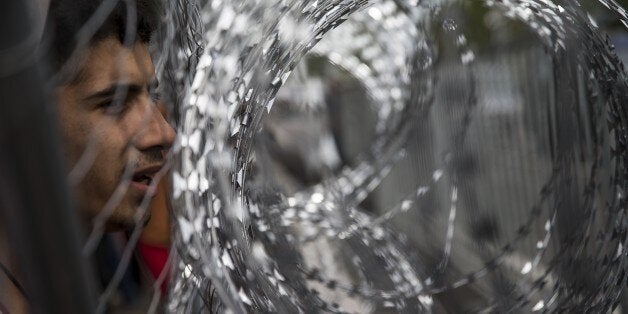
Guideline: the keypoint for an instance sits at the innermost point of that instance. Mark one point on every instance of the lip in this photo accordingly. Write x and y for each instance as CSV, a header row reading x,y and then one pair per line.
x,y
149,171
143,188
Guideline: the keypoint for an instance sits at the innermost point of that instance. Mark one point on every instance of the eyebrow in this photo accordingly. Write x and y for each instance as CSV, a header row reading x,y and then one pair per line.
x,y
109,92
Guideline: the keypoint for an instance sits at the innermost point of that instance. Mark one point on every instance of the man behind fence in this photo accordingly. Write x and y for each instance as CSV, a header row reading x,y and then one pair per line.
x,y
104,88
106,103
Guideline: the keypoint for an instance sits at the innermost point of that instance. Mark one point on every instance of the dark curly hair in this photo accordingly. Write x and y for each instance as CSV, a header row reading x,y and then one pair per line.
x,y
66,18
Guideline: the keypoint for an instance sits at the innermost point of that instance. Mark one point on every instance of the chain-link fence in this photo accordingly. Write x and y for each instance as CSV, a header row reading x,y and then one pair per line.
x,y
304,156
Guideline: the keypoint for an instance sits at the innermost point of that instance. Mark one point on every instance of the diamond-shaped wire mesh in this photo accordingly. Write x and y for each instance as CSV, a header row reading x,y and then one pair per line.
x,y
336,156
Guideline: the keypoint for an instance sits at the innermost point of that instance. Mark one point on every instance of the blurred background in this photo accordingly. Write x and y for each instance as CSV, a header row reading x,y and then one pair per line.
x,y
496,124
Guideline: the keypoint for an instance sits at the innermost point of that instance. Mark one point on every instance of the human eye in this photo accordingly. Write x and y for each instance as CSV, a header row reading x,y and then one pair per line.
x,y
154,91
114,107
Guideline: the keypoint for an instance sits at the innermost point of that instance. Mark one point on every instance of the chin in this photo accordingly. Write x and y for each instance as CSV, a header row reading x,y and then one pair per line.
x,y
125,220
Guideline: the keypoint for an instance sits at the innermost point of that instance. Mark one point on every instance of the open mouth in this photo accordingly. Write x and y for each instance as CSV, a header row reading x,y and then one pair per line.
x,y
143,179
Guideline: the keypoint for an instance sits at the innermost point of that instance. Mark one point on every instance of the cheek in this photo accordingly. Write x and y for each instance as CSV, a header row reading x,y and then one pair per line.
x,y
116,137
106,170
135,120
74,128
113,151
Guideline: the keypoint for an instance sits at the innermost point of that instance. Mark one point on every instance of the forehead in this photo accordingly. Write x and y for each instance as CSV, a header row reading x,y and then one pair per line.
x,y
108,61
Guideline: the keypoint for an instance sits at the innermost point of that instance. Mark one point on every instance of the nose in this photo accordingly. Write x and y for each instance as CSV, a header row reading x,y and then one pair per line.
x,y
156,133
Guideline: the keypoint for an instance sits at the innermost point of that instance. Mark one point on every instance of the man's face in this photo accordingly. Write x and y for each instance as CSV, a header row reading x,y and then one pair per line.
x,y
116,129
